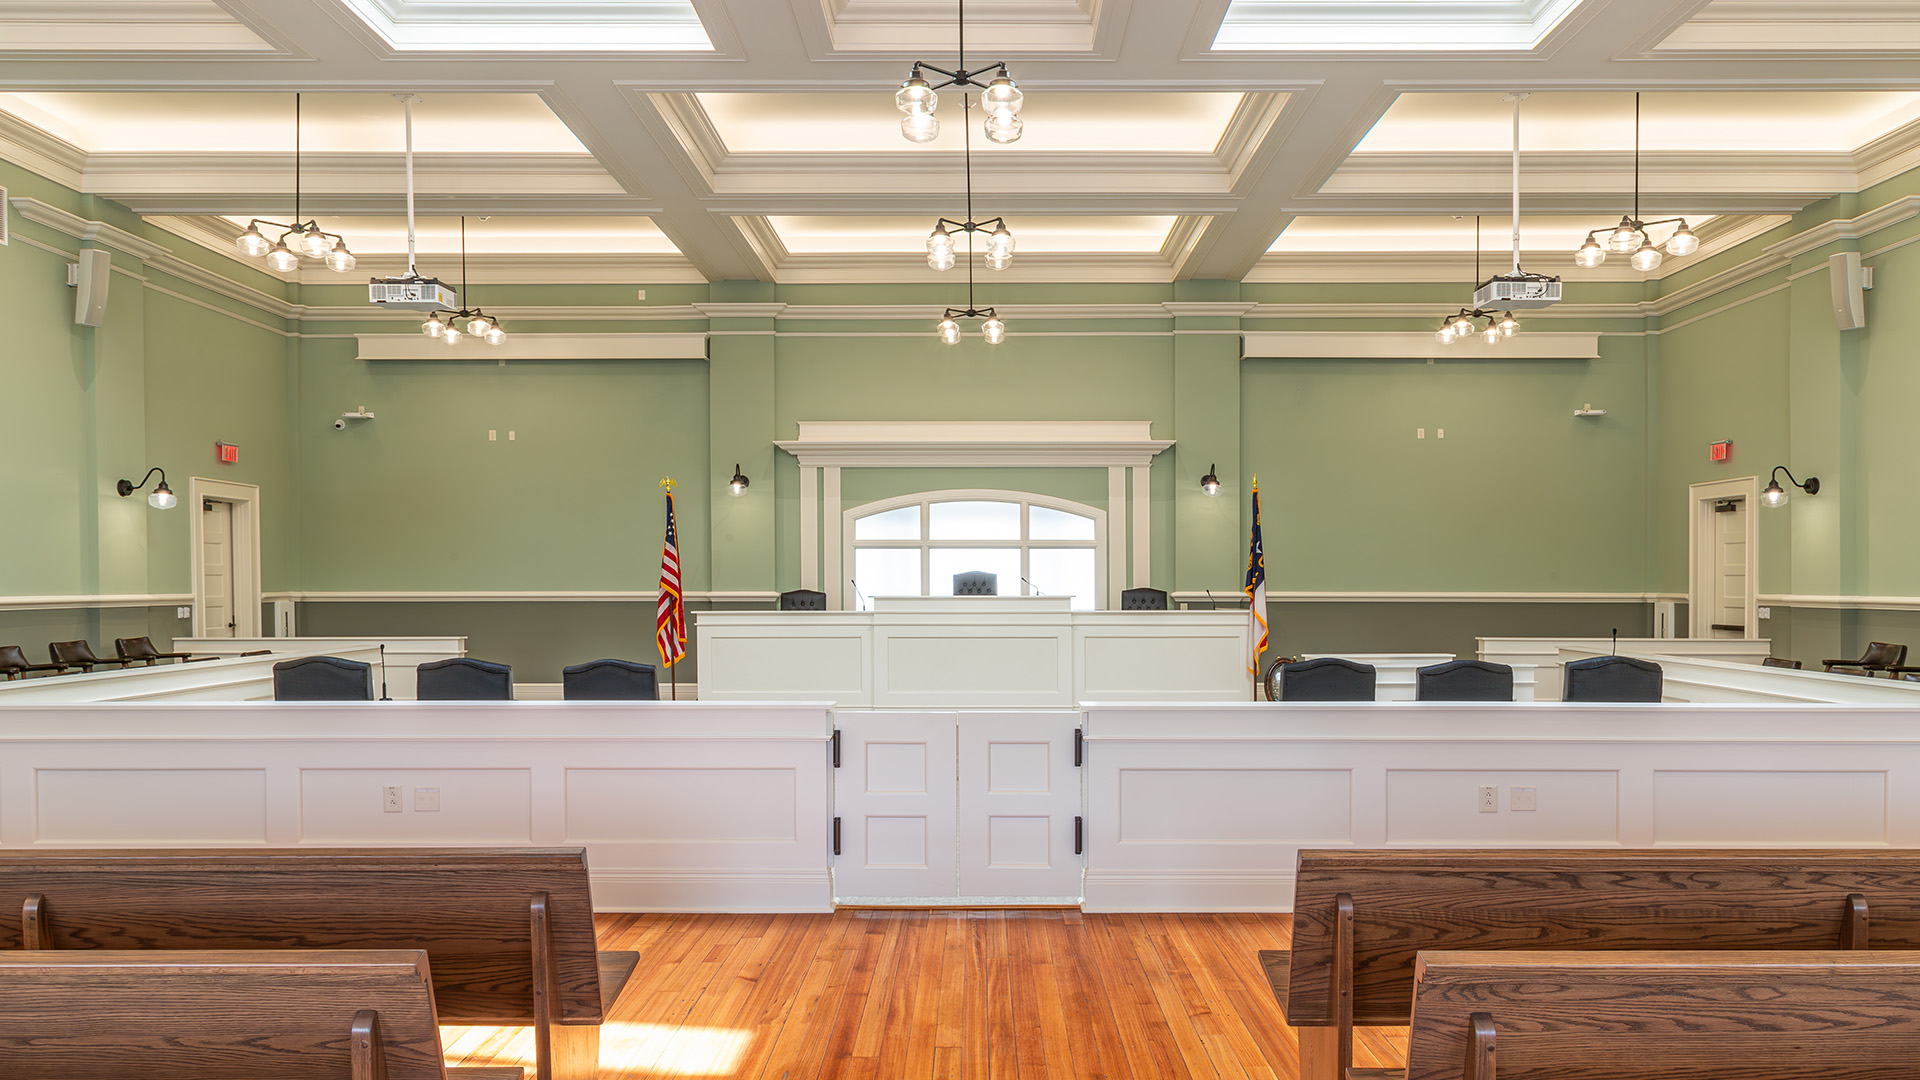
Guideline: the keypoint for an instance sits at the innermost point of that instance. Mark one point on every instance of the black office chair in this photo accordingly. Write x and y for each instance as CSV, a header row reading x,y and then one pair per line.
x,y
1464,680
610,680
1612,678
803,600
1143,599
1327,679
463,678
976,583
322,678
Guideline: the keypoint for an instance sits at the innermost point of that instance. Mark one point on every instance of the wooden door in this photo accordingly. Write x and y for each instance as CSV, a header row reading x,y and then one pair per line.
x,y
216,563
1731,579
893,800
1019,797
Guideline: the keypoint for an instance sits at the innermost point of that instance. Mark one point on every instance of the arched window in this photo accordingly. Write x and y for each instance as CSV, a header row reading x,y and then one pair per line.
x,y
915,544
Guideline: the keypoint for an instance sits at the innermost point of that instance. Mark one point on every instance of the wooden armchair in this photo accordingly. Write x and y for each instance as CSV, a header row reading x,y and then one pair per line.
x,y
1880,656
140,650
14,663
78,654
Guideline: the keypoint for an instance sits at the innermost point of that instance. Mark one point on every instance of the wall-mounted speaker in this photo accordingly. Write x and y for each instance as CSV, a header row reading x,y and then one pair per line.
x,y
1849,282
90,277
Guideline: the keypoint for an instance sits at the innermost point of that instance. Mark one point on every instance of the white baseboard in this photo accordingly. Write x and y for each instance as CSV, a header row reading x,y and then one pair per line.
x,y
1112,891
741,891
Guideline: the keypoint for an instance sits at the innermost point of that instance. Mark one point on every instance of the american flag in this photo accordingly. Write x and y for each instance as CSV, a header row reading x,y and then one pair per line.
x,y
671,617
1256,589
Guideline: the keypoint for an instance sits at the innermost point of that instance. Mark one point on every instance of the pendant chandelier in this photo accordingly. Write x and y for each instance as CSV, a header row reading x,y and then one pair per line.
x,y
1630,236
1460,325
479,325
309,239
1517,287
1002,100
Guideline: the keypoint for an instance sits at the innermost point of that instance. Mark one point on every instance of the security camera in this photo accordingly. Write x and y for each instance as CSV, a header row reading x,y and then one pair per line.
x,y
340,425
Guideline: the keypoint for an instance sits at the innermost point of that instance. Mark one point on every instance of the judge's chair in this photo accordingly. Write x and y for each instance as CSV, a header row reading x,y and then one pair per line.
x,y
463,678
1328,678
803,600
610,680
1612,678
1880,656
322,678
1143,599
976,583
14,663
1464,680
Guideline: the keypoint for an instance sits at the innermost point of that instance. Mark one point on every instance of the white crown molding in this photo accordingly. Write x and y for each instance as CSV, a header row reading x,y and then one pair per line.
x,y
740,311
98,232
557,313
1413,345
152,29
525,346
1201,309
1113,267
1674,174
1841,602
1839,229
1030,29
39,151
79,601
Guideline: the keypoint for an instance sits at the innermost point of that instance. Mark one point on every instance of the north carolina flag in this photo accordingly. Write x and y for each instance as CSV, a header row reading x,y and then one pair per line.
x,y
1256,590
670,619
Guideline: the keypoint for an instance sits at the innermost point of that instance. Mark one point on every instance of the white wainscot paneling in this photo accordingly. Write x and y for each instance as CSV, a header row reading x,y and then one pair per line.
x,y
188,807
830,663
1770,808
476,806
974,667
681,806
1235,806
1441,807
1148,664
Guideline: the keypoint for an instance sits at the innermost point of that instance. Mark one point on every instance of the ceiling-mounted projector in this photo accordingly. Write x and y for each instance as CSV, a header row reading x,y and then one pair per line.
x,y
415,293
1517,291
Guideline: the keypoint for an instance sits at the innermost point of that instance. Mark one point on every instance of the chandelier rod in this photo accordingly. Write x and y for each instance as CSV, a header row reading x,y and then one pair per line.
x,y
296,158
1636,155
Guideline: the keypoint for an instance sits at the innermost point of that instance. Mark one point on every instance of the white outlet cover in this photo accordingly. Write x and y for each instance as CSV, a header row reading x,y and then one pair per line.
x,y
426,799
1524,798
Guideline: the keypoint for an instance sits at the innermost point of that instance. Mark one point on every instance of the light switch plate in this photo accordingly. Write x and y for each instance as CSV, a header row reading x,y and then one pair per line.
x,y
426,800
1524,798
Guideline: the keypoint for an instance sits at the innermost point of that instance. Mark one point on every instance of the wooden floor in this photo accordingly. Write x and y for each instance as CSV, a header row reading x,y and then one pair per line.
x,y
963,994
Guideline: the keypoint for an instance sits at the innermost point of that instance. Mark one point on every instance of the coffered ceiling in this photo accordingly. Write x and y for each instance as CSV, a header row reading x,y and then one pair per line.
x,y
644,140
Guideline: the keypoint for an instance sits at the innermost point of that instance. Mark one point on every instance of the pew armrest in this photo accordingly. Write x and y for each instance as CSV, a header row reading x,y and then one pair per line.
x,y
1279,964
1360,1074
486,1072
616,968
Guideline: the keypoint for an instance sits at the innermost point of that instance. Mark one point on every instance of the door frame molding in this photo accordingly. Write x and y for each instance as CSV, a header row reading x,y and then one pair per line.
x,y
1700,500
245,499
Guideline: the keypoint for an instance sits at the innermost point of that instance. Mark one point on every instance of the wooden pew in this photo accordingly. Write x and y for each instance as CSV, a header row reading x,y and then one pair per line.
x,y
1774,1015
1361,917
279,1015
510,930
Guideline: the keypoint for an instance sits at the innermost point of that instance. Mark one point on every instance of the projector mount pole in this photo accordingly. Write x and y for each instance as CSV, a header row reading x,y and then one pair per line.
x,y
408,99
1516,99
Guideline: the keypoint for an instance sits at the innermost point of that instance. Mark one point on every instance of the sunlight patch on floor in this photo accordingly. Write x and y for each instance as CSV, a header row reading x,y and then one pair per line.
x,y
626,1049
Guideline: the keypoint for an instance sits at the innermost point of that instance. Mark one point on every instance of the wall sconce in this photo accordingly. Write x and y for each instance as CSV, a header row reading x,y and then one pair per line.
x,y
739,483
161,498
1210,483
1775,495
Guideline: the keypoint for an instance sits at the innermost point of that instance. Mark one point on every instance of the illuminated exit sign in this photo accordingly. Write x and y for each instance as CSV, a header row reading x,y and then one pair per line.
x,y
228,453
1720,451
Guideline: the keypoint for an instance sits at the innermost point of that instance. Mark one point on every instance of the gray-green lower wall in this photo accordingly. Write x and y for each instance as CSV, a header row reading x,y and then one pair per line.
x,y
32,630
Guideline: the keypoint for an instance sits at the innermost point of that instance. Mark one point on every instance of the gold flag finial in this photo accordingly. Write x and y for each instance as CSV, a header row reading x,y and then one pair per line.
x,y
668,484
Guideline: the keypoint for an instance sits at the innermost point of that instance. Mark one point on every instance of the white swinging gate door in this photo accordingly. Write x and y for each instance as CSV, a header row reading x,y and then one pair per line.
x,y
934,806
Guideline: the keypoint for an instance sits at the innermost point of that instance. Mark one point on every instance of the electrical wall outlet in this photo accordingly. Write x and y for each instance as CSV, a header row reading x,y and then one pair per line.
x,y
509,434
1523,798
1440,432
1489,798
426,800
183,613
1419,433
493,435
390,798
1763,612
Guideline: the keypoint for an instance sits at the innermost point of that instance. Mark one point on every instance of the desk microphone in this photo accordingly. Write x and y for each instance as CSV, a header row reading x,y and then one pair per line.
x,y
1211,600
1616,641
383,672
1031,585
858,596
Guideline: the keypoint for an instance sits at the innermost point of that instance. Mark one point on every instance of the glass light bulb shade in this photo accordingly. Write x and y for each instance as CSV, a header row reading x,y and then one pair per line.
x,y
1003,97
920,128
1491,334
496,335
1683,242
1000,242
452,336
340,260
1647,258
941,240
433,327
1590,255
949,331
1462,326
314,243
1210,484
162,498
1444,335
1509,325
941,261
1005,127
999,262
282,258
994,331
251,243
915,97
1625,238
1775,495
479,325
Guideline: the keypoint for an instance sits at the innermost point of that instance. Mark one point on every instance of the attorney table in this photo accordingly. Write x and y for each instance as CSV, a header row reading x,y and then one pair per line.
x,y
973,652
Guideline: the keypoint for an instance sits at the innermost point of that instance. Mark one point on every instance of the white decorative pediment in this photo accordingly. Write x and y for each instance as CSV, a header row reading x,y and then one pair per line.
x,y
975,443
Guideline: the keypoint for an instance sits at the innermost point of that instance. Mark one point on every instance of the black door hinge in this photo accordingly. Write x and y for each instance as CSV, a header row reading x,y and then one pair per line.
x,y
1079,834
836,748
1079,746
836,836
